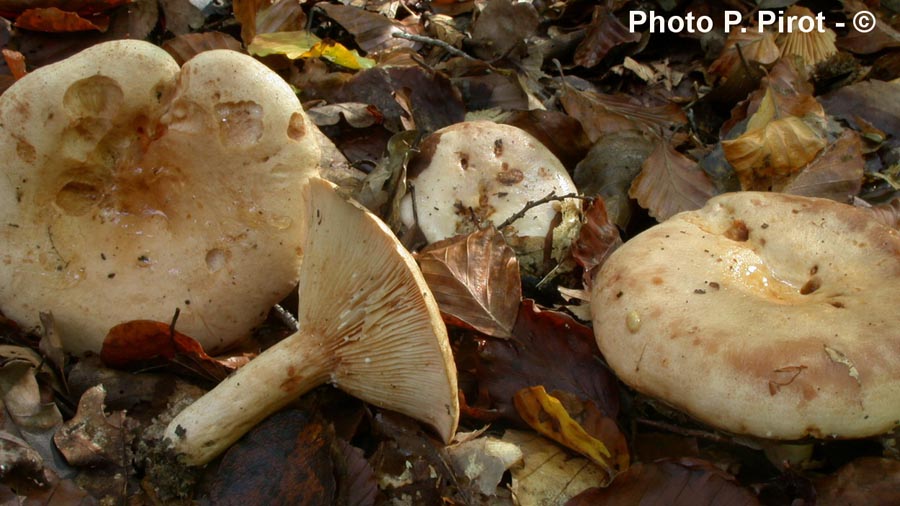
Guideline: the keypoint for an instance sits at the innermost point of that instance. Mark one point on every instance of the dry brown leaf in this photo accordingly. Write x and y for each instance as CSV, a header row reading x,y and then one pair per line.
x,y
836,174
501,28
871,481
670,183
93,438
876,103
184,47
753,46
267,16
576,424
601,113
603,33
882,35
597,239
371,31
475,278
15,62
548,473
681,482
764,157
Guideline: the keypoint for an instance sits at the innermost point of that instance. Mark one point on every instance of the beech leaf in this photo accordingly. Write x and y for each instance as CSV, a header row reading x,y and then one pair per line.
x,y
371,31
681,482
551,349
603,34
546,414
91,437
55,20
868,480
601,113
137,343
670,183
597,239
475,278
548,473
184,47
763,158
836,174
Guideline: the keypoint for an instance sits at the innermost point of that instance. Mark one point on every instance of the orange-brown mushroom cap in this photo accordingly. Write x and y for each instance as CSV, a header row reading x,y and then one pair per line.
x,y
761,313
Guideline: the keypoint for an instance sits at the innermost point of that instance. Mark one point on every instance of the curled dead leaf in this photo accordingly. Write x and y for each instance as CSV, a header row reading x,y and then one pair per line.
x,y
597,239
548,415
475,279
764,157
93,438
600,113
670,183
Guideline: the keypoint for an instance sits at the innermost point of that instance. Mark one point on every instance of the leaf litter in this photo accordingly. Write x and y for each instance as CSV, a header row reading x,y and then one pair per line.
x,y
646,130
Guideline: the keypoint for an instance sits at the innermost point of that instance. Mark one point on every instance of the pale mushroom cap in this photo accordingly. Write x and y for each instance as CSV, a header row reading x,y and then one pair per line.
x,y
762,314
489,169
371,303
131,189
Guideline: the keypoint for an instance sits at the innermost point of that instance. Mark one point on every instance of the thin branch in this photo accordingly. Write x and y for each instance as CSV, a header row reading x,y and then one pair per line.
x,y
433,42
287,318
550,197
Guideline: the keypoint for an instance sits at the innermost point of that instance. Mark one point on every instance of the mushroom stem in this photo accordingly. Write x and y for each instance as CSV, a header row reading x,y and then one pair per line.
x,y
294,366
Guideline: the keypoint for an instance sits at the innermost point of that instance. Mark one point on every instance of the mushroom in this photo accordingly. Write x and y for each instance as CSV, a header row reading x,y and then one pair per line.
x,y
368,324
131,188
476,172
761,313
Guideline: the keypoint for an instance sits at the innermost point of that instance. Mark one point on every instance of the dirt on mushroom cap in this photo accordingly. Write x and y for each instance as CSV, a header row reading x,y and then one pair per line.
x,y
762,314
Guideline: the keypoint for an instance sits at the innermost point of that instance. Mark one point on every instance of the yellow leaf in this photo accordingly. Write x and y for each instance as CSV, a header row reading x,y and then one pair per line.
x,y
547,415
765,157
339,55
291,44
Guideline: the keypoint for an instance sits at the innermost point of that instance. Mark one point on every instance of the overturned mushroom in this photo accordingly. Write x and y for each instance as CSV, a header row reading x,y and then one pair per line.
x,y
761,313
478,172
131,188
368,325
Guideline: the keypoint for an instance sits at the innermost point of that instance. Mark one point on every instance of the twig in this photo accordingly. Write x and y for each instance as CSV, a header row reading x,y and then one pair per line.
x,y
287,318
551,197
701,434
434,42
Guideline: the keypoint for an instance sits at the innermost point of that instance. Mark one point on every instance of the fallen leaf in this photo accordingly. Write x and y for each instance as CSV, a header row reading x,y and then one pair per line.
x,y
597,239
670,183
371,32
12,8
15,61
881,36
55,20
745,46
92,438
764,158
501,28
355,477
679,482
604,33
182,17
286,459
19,462
561,134
875,102
484,461
184,47
835,174
51,345
601,114
268,16
871,481
549,474
475,279
548,348
609,168
546,414
135,344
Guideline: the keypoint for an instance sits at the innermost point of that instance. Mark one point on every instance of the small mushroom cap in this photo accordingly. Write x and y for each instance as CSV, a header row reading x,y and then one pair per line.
x,y
369,301
132,187
761,313
488,170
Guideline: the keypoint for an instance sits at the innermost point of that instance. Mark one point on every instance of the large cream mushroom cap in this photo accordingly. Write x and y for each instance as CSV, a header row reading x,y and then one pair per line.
x,y
761,313
131,188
